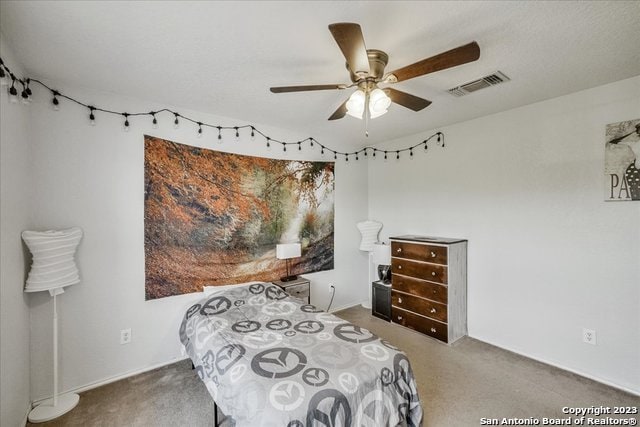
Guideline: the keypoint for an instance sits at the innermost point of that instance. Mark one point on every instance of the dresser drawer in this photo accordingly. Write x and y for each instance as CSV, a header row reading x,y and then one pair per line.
x,y
428,253
299,291
421,306
419,288
418,323
422,270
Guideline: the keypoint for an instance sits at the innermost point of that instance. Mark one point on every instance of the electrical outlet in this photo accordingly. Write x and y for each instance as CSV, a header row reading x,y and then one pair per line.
x,y
589,336
125,336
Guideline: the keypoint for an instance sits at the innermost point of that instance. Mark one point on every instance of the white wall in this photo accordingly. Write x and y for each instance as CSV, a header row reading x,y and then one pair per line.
x,y
14,217
547,256
92,177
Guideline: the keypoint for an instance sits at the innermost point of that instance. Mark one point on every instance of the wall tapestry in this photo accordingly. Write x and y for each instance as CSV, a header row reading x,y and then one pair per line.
x,y
214,218
622,161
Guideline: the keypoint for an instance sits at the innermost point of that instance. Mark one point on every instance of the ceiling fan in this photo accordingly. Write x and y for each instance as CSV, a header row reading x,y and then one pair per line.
x,y
366,69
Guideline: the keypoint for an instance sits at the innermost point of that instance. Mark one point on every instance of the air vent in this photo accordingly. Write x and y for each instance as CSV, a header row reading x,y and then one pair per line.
x,y
486,81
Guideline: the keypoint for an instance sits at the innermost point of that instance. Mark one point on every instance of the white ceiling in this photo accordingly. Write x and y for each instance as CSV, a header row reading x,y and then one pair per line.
x,y
222,57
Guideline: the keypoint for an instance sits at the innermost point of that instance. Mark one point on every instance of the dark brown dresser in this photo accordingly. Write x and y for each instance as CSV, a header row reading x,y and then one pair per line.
x,y
429,285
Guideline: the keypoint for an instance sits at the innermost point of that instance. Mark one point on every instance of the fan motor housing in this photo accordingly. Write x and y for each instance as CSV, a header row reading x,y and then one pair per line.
x,y
377,62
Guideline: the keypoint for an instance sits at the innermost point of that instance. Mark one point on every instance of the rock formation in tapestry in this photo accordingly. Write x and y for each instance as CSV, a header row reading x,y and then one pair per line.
x,y
214,218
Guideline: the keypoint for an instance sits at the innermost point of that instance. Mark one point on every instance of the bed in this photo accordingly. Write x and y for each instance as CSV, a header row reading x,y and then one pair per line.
x,y
269,359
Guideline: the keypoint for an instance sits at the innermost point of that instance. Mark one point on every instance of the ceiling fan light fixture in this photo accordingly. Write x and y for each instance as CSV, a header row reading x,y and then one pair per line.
x,y
355,104
379,102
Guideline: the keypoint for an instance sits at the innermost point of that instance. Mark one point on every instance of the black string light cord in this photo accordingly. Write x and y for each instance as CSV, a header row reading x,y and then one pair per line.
x,y
25,94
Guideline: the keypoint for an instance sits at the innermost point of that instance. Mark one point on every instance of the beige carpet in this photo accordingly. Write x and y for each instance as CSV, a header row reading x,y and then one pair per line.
x,y
458,385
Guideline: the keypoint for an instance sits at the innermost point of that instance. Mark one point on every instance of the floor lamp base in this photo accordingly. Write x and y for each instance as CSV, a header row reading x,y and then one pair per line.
x,y
46,411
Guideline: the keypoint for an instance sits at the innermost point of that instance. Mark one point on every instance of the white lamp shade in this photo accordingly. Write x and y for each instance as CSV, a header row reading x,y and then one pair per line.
x,y
379,102
53,265
382,254
355,104
288,250
369,231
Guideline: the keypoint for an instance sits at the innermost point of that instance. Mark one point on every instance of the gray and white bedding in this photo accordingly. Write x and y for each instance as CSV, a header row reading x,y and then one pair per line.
x,y
269,359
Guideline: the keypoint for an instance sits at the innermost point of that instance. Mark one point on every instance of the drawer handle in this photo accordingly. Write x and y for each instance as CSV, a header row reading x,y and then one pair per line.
x,y
399,317
433,310
435,292
399,250
433,273
433,330
433,254
399,300
399,267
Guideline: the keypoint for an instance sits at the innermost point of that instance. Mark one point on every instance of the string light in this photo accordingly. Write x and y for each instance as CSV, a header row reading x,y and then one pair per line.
x,y
54,101
13,92
26,94
3,75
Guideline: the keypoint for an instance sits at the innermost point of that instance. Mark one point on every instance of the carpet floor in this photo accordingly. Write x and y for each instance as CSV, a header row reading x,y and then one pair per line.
x,y
458,385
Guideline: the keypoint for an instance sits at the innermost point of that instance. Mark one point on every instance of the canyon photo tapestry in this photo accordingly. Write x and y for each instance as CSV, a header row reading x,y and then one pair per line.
x,y
214,218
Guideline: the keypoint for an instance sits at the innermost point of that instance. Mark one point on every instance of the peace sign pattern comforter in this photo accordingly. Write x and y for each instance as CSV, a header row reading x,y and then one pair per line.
x,y
269,359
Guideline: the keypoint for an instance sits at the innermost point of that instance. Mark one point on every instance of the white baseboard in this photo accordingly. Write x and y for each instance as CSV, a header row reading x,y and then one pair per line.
x,y
110,380
564,368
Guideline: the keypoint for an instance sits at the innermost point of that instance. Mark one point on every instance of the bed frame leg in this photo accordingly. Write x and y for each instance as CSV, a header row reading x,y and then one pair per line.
x,y
215,414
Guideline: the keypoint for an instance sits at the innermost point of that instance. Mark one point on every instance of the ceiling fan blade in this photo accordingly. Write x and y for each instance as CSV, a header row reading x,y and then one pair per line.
x,y
340,112
282,89
351,42
412,102
451,58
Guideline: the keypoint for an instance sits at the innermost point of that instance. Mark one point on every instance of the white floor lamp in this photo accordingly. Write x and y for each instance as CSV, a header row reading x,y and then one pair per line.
x,y
369,230
52,269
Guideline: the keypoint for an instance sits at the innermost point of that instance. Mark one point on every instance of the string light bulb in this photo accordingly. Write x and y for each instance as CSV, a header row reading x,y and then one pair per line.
x,y
126,121
24,94
13,92
268,142
220,134
3,75
397,155
55,102
311,141
253,134
299,146
237,133
322,150
284,147
199,130
154,122
92,117
374,152
176,122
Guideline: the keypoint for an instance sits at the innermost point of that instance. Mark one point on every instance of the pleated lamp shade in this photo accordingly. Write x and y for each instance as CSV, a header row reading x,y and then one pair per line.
x,y
369,231
53,264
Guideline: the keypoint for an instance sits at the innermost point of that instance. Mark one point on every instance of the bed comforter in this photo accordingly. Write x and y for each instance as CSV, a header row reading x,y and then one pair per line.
x,y
268,359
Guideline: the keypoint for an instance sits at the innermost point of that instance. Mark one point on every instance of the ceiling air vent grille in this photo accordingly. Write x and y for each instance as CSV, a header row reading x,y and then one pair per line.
x,y
484,82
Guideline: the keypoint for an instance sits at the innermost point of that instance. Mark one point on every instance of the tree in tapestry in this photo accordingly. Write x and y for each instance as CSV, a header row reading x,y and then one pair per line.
x,y
214,218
